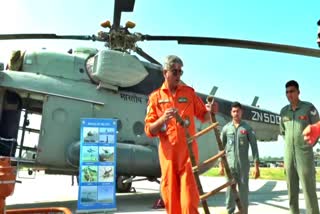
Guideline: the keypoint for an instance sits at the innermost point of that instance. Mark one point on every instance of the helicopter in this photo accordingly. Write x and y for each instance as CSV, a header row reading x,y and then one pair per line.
x,y
89,174
108,83
105,155
107,173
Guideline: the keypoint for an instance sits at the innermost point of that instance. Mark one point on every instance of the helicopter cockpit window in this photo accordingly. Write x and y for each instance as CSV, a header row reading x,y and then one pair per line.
x,y
16,60
89,64
89,67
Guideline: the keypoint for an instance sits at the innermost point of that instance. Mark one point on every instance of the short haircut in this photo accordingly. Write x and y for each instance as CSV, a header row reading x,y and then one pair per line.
x,y
236,105
292,83
318,22
170,61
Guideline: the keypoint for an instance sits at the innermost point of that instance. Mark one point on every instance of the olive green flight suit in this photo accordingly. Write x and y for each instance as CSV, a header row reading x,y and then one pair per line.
x,y
298,156
236,143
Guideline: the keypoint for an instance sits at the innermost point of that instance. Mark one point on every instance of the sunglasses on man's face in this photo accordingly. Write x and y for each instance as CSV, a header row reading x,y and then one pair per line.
x,y
175,72
290,91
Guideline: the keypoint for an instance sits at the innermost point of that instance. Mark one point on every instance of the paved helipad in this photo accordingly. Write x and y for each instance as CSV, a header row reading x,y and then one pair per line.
x,y
54,190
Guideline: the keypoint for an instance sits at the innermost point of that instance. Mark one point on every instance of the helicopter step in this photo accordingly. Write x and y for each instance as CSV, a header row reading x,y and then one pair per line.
x,y
196,168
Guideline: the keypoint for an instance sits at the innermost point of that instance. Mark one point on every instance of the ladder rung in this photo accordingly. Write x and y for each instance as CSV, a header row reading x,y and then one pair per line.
x,y
207,162
215,191
202,132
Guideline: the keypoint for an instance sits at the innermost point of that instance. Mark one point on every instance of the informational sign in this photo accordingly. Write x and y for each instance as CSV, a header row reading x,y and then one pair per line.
x,y
97,168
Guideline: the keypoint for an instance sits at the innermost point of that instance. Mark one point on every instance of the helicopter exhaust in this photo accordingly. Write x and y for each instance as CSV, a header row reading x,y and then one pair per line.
x,y
132,159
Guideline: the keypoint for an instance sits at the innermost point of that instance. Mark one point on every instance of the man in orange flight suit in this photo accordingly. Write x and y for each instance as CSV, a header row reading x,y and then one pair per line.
x,y
178,186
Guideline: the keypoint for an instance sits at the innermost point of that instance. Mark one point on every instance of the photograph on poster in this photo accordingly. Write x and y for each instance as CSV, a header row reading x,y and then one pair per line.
x,y
105,194
91,134
90,154
106,154
89,173
106,173
110,138
103,138
88,194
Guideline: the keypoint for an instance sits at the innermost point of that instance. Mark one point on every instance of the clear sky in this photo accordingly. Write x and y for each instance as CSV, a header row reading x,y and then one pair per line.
x,y
240,74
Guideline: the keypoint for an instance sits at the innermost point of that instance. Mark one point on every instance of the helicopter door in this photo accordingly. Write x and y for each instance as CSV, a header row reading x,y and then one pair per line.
x,y
2,92
10,111
60,127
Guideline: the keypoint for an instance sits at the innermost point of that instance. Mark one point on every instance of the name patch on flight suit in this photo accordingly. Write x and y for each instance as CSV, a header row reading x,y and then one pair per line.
x,y
303,117
182,100
163,101
243,132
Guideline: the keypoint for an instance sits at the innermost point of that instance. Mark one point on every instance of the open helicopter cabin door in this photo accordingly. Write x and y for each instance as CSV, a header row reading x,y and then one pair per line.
x,y
10,111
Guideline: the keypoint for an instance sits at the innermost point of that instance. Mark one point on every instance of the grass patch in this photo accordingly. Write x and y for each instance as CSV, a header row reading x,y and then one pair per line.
x,y
265,173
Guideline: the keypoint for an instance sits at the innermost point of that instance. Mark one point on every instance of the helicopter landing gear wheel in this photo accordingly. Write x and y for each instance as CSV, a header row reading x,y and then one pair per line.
x,y
30,171
123,187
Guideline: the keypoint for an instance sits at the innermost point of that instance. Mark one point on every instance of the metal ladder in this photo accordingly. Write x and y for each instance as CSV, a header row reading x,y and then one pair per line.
x,y
221,154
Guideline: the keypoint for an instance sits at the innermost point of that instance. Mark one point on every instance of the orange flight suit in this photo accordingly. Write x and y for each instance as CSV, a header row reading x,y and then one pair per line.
x,y
178,186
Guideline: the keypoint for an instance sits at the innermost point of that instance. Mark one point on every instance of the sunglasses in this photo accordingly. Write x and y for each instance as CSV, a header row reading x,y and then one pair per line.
x,y
176,71
290,91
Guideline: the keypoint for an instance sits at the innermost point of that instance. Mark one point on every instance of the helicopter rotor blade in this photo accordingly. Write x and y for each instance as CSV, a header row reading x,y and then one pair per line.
x,y
121,6
146,56
45,36
237,44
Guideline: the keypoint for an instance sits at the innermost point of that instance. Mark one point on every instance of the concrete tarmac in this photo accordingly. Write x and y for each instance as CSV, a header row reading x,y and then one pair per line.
x,y
265,196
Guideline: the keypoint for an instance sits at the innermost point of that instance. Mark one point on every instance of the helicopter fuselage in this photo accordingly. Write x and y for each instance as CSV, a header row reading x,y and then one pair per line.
x,y
64,88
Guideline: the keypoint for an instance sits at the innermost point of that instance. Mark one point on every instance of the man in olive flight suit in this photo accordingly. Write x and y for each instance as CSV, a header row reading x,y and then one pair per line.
x,y
298,157
236,137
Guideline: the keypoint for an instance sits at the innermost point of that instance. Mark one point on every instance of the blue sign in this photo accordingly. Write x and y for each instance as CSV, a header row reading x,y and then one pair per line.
x,y
97,169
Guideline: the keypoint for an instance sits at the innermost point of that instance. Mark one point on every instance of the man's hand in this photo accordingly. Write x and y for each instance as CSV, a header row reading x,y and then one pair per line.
x,y
212,107
311,133
160,124
221,171
256,171
168,114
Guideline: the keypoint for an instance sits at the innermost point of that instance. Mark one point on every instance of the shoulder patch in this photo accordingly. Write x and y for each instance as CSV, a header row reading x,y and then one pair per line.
x,y
313,112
